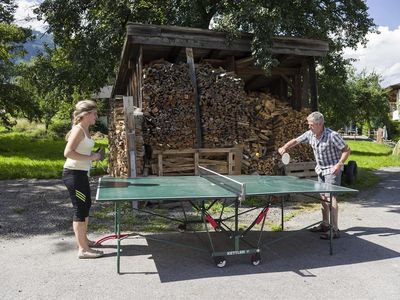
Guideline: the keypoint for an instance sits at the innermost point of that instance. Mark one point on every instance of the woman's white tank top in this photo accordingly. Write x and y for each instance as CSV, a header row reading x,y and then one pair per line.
x,y
85,147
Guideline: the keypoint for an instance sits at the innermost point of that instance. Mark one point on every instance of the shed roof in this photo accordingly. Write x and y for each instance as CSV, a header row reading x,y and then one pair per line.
x,y
169,43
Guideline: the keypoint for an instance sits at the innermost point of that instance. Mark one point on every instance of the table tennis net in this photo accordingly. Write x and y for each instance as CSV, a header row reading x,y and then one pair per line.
x,y
222,181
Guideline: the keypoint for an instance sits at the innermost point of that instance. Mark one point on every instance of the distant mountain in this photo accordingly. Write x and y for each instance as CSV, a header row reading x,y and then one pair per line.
x,y
36,46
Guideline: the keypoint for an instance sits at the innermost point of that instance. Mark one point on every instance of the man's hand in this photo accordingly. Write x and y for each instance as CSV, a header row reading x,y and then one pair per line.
x,y
337,168
281,150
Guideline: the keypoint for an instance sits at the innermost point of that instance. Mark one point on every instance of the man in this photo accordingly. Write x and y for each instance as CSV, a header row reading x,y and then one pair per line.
x,y
330,153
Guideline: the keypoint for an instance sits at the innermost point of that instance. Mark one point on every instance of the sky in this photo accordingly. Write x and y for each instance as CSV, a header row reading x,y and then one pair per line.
x,y
25,10
381,54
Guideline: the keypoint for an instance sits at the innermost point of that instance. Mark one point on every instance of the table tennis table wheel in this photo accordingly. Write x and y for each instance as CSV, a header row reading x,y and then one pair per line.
x,y
220,261
255,259
182,227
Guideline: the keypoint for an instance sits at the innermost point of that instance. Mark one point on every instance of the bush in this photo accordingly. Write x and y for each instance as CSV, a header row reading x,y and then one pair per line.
x,y
60,128
394,131
99,126
34,129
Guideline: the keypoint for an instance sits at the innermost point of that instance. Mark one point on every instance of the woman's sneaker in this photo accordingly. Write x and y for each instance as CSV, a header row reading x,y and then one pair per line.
x,y
90,254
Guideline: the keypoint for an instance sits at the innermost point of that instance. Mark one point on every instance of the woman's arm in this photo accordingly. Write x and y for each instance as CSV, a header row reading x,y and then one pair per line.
x,y
74,139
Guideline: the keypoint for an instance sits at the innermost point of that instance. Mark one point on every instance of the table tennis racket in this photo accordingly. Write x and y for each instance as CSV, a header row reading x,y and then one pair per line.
x,y
102,152
285,158
119,184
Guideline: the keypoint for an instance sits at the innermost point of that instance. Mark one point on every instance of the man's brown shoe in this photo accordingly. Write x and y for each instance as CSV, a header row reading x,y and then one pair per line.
x,y
327,235
320,228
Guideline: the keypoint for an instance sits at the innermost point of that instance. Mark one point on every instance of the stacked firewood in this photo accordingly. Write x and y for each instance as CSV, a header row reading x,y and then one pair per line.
x,y
168,106
118,158
257,121
117,142
223,107
271,124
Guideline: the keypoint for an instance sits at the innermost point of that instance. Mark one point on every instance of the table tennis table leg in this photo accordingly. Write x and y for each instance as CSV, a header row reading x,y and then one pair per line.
x,y
282,210
118,233
330,225
115,217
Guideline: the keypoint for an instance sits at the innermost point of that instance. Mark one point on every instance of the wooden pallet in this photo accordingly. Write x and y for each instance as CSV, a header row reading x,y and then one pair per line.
x,y
185,162
302,169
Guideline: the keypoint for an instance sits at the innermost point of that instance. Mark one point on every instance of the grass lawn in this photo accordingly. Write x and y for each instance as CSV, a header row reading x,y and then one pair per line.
x,y
370,156
27,155
24,155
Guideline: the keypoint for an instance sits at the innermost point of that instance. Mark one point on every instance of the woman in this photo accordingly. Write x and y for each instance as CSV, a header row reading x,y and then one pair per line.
x,y
79,155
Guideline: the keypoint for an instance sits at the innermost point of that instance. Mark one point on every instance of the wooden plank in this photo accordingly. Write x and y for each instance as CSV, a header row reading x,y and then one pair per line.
x,y
140,78
160,164
130,134
230,163
313,85
172,151
224,160
196,163
301,169
238,160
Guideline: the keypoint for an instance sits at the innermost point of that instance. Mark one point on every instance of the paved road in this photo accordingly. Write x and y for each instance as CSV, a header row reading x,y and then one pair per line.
x,y
365,264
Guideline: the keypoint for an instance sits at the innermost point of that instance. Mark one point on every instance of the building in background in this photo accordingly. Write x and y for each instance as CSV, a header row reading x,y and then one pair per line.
x,y
394,101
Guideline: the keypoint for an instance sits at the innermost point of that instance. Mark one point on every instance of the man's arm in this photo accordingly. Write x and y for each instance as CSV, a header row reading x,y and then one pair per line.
x,y
292,143
345,154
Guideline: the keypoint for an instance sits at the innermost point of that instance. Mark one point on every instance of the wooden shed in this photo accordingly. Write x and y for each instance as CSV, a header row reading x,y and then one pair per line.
x,y
293,80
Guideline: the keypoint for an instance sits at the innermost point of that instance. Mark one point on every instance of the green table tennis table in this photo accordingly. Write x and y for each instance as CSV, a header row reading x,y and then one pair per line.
x,y
210,185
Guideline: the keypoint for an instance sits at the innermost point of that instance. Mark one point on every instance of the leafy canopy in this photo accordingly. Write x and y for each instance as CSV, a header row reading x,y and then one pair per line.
x,y
91,32
14,99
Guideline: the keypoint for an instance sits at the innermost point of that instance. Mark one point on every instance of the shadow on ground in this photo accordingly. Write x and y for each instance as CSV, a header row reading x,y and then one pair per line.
x,y
295,251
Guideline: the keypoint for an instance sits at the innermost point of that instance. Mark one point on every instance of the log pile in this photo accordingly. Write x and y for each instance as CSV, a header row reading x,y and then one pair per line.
x,y
118,165
168,106
271,124
222,106
257,121
118,158
169,109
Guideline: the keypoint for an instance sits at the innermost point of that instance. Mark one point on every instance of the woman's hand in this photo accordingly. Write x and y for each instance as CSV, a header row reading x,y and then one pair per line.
x,y
95,156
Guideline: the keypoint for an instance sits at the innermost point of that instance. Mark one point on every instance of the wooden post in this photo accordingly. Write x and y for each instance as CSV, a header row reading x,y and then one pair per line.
x,y
313,84
196,162
139,70
130,134
305,98
192,73
297,92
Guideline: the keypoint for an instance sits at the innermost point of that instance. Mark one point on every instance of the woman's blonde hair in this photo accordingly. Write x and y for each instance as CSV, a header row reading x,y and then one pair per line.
x,y
82,108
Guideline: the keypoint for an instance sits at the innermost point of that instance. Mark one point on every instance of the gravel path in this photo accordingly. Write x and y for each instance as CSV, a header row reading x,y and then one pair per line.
x,y
32,207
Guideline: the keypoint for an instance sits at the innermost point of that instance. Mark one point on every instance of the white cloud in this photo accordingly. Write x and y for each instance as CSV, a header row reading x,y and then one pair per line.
x,y
25,17
381,55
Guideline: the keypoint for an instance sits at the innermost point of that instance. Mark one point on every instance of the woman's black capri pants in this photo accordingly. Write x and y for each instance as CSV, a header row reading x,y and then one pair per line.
x,y
77,183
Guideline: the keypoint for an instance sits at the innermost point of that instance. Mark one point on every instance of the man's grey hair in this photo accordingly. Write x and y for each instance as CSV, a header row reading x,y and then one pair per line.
x,y
316,117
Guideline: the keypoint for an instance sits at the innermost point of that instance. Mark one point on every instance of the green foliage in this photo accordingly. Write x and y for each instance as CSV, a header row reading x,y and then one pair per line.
x,y
7,10
34,129
14,99
346,97
370,99
334,93
90,37
394,130
99,126
60,128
